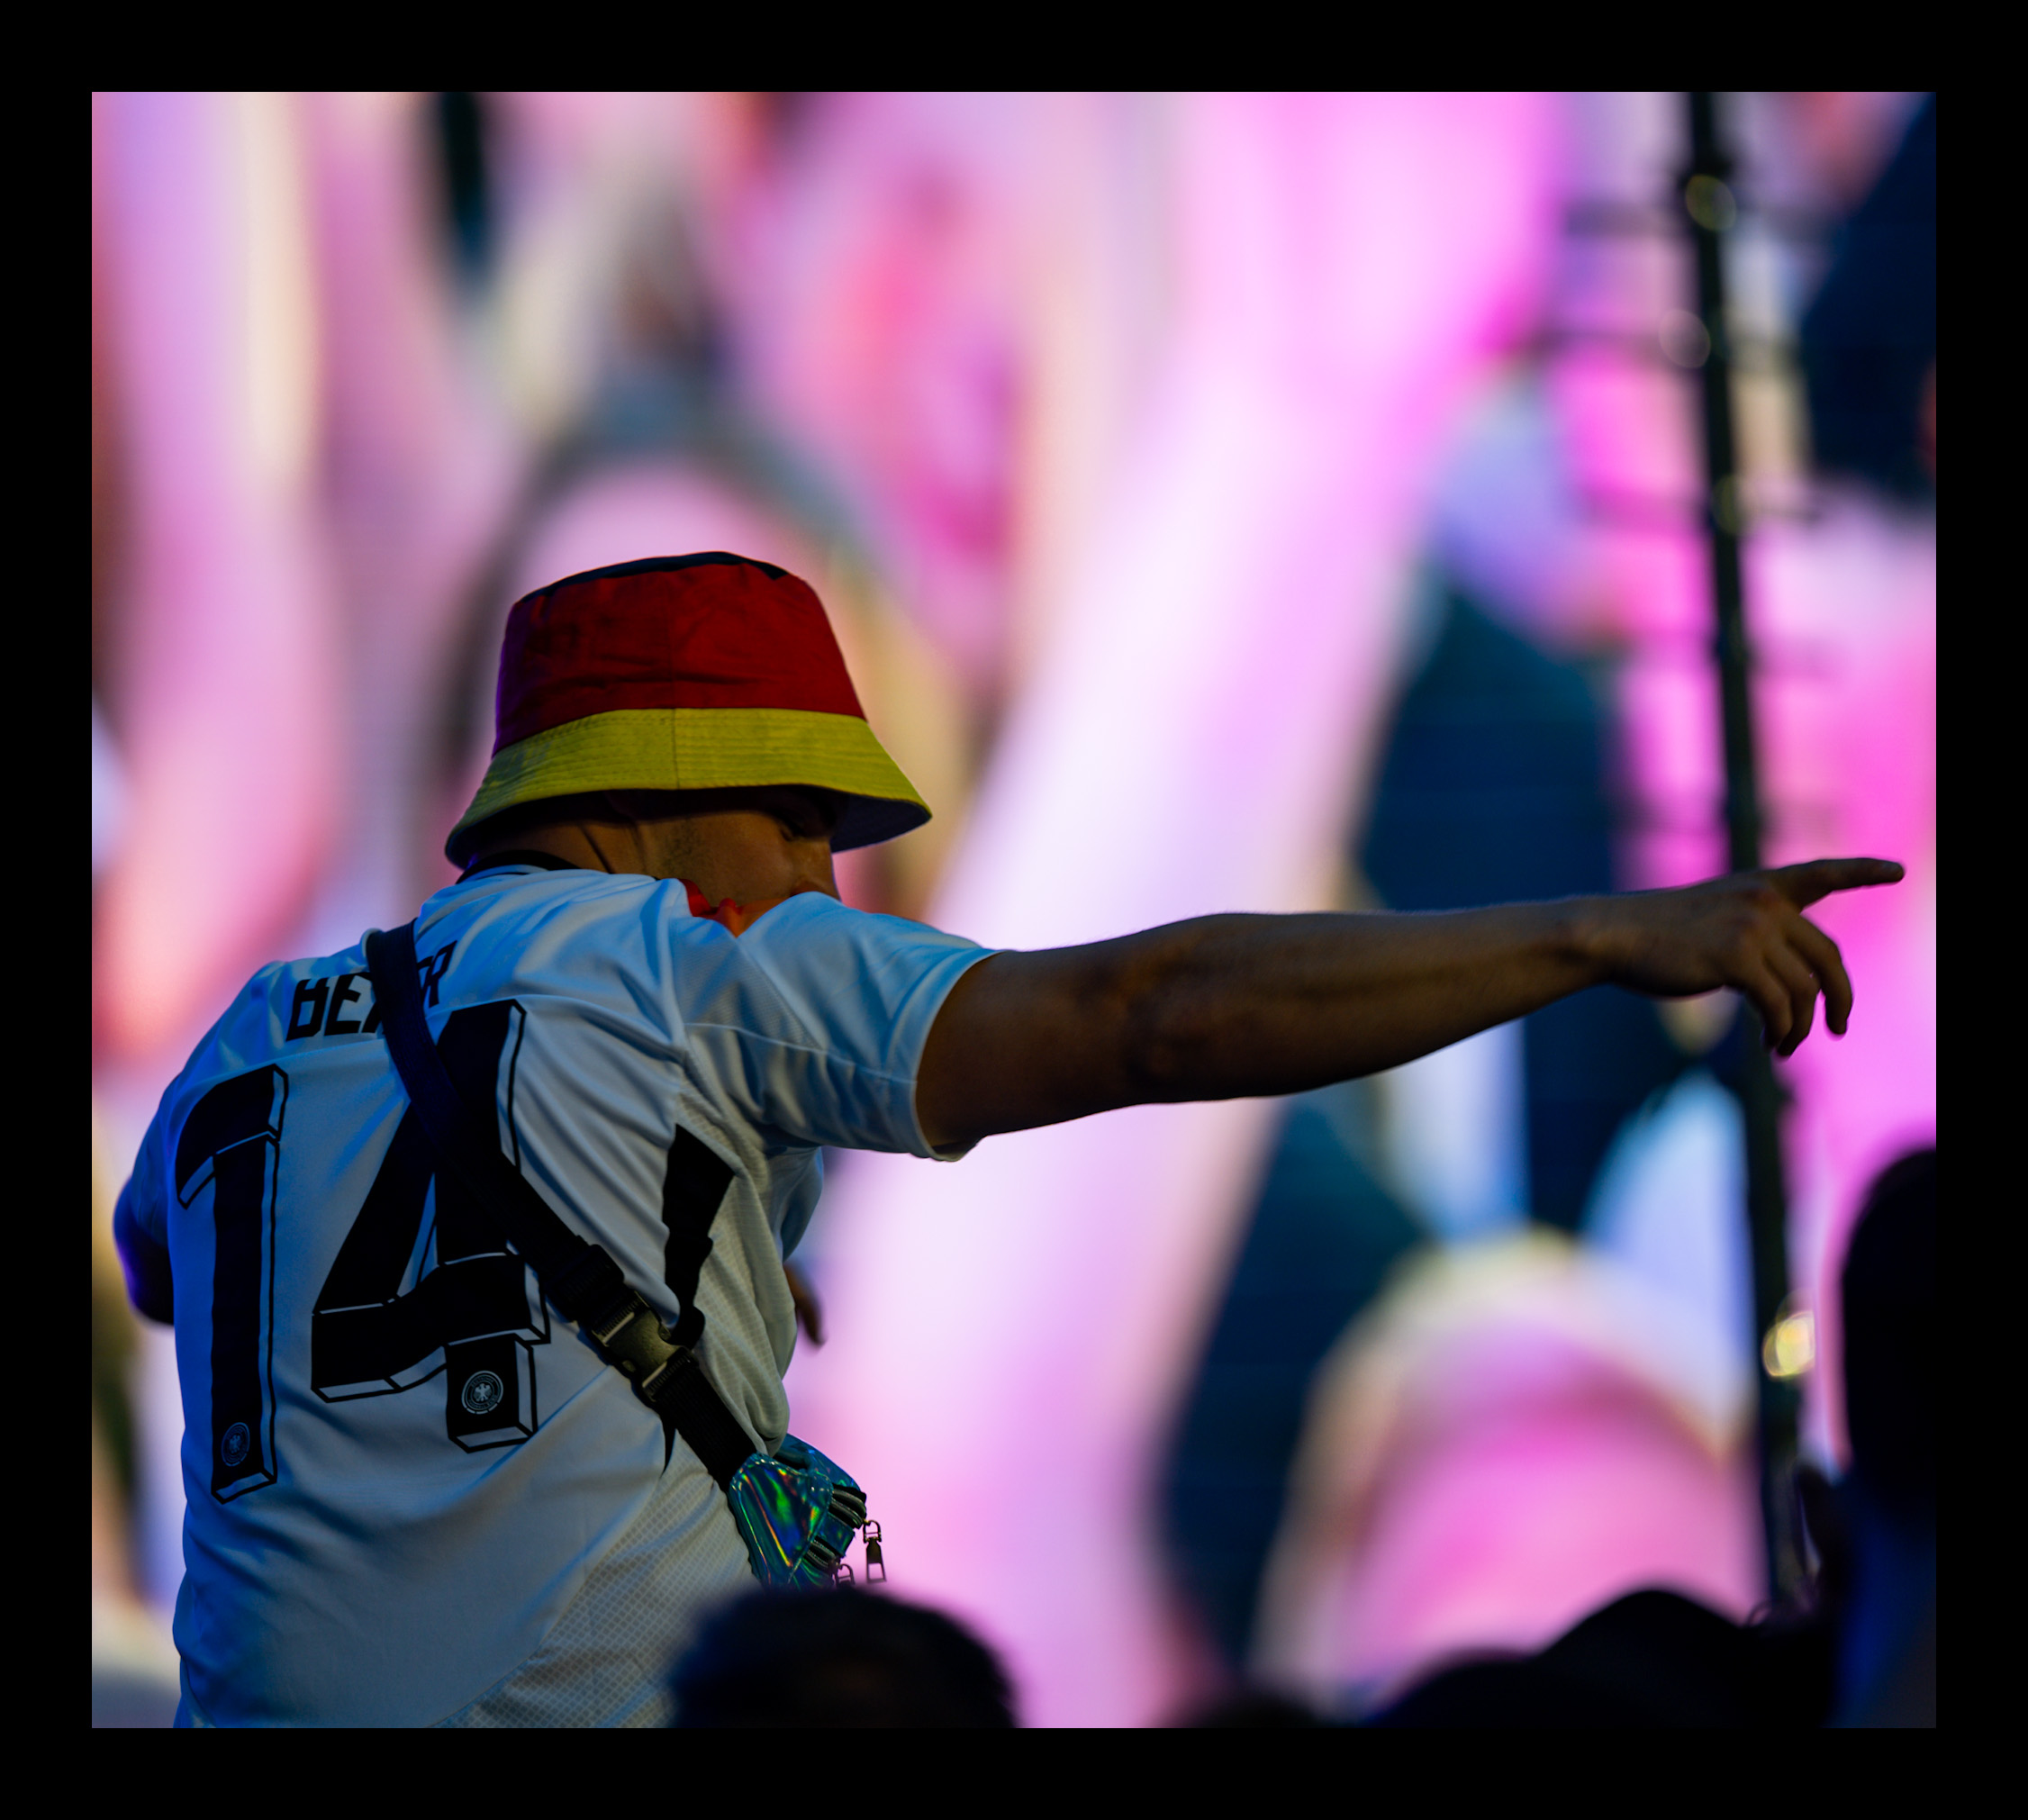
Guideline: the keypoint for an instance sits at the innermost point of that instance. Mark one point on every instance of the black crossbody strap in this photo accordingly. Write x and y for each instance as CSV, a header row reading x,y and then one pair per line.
x,y
580,1279
692,1193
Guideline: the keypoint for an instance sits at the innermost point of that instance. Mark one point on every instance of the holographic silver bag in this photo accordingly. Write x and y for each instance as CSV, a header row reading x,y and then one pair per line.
x,y
798,1512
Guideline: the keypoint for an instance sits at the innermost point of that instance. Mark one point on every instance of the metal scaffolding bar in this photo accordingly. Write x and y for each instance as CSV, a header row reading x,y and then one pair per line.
x,y
1710,209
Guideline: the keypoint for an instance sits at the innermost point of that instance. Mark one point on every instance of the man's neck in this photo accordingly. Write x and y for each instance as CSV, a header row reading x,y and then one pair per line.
x,y
518,856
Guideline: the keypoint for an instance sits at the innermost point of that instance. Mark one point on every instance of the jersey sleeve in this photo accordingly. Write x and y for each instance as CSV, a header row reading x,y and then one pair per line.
x,y
141,1229
817,1025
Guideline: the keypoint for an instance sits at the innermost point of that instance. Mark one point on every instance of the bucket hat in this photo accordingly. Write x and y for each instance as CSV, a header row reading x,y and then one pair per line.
x,y
702,672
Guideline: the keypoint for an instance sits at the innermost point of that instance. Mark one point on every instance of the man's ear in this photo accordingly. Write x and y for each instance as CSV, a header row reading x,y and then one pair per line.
x,y
829,804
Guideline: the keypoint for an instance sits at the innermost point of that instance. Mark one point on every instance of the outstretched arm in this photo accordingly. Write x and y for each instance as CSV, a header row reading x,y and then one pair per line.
x,y
1227,1007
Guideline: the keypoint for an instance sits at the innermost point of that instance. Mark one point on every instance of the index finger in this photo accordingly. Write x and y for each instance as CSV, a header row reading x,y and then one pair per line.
x,y
1802,885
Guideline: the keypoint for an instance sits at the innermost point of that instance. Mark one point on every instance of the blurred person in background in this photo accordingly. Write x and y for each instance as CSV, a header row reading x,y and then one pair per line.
x,y
1396,1415
1518,1433
818,1661
645,968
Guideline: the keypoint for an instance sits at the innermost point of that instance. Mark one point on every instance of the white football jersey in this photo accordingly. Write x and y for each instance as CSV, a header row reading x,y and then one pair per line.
x,y
400,1465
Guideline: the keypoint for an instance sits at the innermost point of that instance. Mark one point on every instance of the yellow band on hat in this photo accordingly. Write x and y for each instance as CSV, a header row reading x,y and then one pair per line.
x,y
704,749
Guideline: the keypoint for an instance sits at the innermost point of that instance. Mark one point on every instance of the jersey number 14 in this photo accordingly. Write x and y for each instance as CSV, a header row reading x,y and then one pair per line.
x,y
401,1301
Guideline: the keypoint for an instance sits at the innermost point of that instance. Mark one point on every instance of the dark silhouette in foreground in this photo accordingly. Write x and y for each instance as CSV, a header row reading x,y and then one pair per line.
x,y
1251,1709
1651,1659
838,1660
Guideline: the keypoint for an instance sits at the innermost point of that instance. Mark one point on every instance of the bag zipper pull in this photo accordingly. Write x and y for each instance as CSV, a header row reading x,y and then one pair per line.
x,y
877,1569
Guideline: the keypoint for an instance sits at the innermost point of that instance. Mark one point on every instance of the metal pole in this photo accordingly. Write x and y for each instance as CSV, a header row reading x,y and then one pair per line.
x,y
1711,210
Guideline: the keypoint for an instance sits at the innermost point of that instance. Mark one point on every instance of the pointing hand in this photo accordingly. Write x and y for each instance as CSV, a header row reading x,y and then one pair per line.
x,y
1746,931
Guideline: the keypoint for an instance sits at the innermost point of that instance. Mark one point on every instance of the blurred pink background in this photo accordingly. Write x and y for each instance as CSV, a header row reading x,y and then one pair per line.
x,y
1116,432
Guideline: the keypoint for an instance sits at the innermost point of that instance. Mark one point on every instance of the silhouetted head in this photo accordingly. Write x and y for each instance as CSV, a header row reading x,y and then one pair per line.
x,y
1889,1305
1652,1659
819,1660
1252,1709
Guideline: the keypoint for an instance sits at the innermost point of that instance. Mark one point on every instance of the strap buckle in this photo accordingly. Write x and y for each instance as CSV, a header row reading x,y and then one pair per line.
x,y
629,1334
633,1338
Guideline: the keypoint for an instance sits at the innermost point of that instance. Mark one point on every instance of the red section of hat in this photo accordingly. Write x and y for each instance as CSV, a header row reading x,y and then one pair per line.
x,y
720,635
